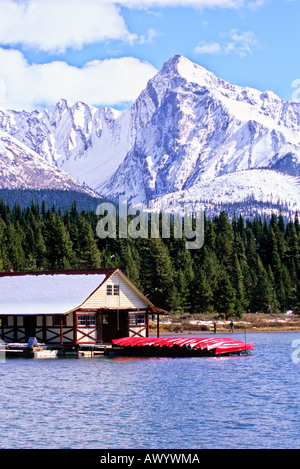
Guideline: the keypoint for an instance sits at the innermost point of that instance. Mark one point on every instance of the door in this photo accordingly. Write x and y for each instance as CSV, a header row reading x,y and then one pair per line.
x,y
114,325
29,327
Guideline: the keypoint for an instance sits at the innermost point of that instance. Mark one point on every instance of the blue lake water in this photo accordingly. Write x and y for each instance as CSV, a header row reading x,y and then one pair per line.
x,y
155,403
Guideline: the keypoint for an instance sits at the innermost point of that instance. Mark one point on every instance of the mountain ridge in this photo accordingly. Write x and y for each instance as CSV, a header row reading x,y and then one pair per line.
x,y
188,129
23,168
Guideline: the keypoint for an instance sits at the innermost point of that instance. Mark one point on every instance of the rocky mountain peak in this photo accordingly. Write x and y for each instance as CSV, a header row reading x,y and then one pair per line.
x,y
187,133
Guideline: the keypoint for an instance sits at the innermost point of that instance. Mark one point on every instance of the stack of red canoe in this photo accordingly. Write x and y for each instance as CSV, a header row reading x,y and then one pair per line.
x,y
178,346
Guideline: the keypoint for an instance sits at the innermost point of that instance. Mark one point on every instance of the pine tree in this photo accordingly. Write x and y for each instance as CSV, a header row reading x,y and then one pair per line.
x,y
43,209
273,258
15,252
181,292
293,251
3,256
89,254
130,263
251,249
239,248
162,274
225,298
284,290
59,253
36,238
224,240
297,223
263,293
210,235
238,284
206,273
203,296
281,224
243,266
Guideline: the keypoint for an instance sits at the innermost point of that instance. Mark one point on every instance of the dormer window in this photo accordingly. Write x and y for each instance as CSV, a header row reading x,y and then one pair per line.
x,y
112,290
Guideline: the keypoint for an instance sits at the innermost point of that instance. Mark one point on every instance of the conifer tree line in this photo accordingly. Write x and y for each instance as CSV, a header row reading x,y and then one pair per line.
x,y
243,266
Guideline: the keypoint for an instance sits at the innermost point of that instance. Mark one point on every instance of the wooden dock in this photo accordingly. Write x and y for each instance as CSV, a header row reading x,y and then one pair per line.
x,y
84,350
34,350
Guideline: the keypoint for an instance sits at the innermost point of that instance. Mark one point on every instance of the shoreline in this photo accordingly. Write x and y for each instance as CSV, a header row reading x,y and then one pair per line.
x,y
152,332
203,324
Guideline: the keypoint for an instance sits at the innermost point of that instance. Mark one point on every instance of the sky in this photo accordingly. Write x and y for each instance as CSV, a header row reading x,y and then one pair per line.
x,y
103,52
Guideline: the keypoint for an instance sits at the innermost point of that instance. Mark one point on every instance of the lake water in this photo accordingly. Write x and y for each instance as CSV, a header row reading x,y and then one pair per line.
x,y
162,403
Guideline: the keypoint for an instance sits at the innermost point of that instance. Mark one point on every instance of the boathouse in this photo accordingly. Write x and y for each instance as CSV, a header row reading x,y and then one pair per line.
x,y
73,307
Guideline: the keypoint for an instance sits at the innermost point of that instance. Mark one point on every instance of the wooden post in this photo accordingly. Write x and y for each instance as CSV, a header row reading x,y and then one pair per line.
x,y
127,322
157,325
74,327
44,329
98,327
2,327
15,320
147,323
61,330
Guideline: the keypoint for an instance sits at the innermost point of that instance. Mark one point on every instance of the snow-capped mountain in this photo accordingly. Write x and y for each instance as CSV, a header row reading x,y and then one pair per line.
x,y
23,168
250,192
189,136
201,133
83,141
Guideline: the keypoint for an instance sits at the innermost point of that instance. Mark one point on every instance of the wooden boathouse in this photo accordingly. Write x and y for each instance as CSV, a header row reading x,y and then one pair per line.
x,y
75,307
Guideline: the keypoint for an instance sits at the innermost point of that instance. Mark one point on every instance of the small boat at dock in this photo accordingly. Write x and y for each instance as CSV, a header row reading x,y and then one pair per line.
x,y
31,349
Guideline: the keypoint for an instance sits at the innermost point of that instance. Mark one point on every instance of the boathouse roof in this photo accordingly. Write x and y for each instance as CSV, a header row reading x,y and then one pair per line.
x,y
55,292
48,292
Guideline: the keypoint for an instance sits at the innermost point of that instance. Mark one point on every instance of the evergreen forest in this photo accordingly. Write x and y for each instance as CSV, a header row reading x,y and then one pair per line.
x,y
243,266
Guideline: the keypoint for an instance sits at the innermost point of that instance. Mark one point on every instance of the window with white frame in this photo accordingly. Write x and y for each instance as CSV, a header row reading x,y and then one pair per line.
x,y
91,320
137,319
132,319
81,320
116,290
86,320
141,318
109,290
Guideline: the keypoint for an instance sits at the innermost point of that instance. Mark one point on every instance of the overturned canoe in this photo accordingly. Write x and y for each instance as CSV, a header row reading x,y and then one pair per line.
x,y
180,346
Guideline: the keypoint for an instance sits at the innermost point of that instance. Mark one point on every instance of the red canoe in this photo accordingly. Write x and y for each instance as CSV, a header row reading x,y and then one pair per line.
x,y
180,346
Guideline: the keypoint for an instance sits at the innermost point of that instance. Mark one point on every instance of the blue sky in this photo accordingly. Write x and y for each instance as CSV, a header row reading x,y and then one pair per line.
x,y
103,52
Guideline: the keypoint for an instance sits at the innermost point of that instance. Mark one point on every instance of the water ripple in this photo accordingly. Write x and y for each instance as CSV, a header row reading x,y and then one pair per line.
x,y
236,402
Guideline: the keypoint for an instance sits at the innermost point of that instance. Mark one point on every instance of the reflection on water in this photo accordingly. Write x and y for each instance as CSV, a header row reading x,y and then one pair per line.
x,y
232,402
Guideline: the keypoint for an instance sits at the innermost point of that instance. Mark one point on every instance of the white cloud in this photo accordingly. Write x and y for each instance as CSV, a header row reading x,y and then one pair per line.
x,y
54,25
110,82
253,5
241,43
148,38
208,48
181,3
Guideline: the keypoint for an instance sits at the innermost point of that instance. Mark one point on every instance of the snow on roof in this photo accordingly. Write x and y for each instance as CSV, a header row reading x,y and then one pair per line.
x,y
46,294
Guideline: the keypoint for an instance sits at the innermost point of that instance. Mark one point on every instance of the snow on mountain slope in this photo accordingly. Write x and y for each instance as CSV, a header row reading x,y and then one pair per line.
x,y
86,142
22,168
187,131
256,190
201,128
